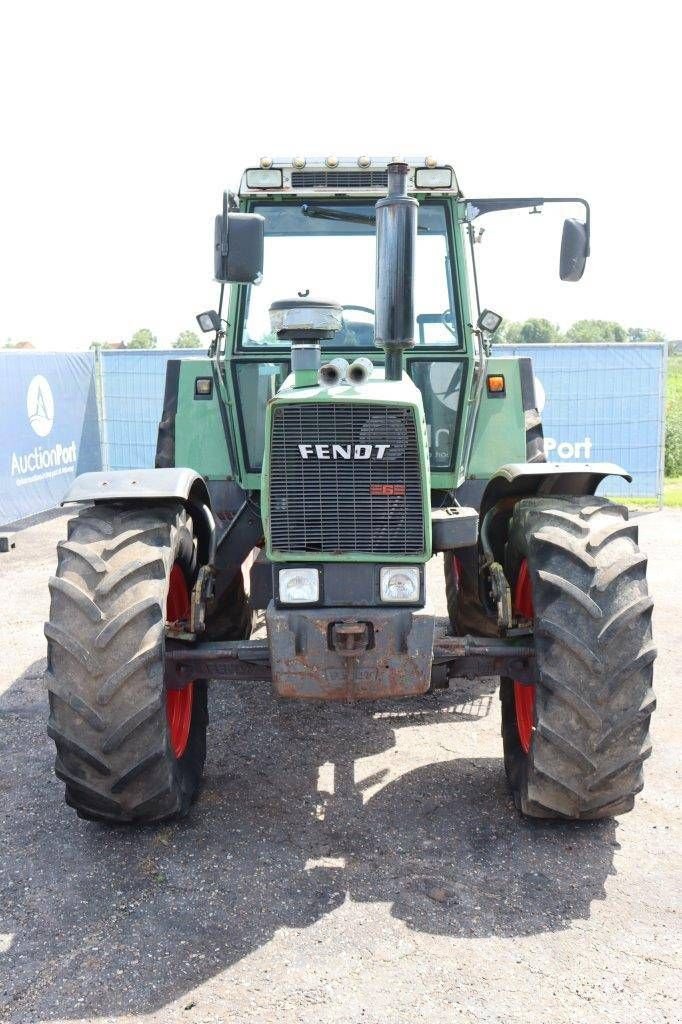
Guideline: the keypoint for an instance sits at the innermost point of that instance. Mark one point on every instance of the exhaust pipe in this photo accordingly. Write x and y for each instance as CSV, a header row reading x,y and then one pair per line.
x,y
333,372
396,221
359,370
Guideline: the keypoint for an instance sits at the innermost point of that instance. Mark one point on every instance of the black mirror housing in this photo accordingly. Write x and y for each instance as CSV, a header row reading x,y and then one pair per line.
x,y
238,248
575,247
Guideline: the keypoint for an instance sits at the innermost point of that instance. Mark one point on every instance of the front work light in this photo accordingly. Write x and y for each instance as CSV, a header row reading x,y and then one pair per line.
x,y
489,321
209,321
433,177
203,387
264,178
398,583
299,586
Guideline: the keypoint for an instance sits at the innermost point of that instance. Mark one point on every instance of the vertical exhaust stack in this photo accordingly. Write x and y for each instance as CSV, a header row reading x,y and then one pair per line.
x,y
396,219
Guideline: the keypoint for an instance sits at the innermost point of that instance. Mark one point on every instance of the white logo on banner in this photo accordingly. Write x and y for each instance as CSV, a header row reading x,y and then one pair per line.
x,y
40,406
42,463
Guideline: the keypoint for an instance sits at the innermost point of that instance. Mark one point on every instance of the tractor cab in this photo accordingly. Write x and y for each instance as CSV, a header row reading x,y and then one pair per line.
x,y
320,240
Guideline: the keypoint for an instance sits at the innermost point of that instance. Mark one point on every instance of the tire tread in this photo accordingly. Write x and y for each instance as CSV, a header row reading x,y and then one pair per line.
x,y
105,665
595,659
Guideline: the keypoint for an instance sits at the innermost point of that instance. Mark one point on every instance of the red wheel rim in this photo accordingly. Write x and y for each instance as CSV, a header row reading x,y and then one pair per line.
x,y
457,571
178,702
524,695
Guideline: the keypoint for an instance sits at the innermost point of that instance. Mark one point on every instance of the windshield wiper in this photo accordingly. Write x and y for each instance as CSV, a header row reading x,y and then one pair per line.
x,y
326,214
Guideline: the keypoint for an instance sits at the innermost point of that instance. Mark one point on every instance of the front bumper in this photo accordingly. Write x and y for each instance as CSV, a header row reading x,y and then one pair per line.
x,y
350,653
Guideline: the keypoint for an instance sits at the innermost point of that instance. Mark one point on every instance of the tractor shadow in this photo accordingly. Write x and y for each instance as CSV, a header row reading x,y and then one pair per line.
x,y
305,806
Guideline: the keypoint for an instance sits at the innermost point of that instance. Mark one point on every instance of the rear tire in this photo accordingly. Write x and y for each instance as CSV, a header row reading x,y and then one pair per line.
x,y
588,733
105,676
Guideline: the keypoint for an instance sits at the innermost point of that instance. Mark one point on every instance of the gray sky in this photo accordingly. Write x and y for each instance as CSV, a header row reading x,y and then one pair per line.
x,y
121,123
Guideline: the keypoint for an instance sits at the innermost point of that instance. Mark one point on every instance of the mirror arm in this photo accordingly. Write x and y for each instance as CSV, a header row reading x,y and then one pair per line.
x,y
477,207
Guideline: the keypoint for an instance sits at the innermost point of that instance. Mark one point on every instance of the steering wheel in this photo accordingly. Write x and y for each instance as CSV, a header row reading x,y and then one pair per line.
x,y
359,309
357,331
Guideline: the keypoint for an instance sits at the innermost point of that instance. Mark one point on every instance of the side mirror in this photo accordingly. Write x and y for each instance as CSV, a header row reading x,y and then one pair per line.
x,y
238,247
575,248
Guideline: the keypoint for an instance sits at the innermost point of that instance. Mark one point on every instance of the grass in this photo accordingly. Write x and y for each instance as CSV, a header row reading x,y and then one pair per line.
x,y
672,495
672,492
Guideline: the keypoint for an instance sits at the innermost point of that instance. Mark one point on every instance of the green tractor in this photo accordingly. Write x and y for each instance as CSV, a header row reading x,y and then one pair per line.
x,y
346,425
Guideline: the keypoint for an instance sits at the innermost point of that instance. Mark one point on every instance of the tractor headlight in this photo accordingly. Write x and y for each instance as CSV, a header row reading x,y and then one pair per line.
x,y
433,177
299,586
399,583
267,178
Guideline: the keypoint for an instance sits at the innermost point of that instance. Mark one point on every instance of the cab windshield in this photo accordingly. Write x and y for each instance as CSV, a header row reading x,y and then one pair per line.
x,y
327,250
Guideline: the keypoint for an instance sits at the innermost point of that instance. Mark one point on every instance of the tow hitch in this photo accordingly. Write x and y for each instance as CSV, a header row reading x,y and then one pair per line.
x,y
350,638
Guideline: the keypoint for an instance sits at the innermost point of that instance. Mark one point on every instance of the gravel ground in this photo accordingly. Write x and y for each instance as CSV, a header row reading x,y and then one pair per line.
x,y
362,865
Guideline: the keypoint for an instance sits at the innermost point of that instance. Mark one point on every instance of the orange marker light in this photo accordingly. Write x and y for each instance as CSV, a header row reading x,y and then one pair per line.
x,y
495,383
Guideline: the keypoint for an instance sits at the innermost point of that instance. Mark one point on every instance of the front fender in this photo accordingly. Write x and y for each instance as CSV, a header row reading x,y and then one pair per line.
x,y
152,485
138,485
532,479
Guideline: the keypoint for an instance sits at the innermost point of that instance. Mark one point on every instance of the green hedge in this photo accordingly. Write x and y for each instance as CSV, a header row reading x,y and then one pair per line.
x,y
673,431
673,444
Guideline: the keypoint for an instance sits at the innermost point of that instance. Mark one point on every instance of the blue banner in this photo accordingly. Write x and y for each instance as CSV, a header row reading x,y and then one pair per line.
x,y
48,429
598,403
602,403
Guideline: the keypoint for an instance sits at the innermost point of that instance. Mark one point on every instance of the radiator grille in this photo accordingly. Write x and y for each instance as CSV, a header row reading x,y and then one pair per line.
x,y
339,179
334,505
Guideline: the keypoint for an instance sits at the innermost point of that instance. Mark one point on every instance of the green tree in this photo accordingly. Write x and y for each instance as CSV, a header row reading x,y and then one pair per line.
x,y
596,331
538,331
142,339
508,333
644,334
187,339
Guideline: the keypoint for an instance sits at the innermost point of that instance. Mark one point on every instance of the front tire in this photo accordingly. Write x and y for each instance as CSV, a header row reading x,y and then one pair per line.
x,y
127,750
575,743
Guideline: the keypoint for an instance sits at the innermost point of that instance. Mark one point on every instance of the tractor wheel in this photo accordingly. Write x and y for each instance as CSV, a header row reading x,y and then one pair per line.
x,y
233,619
127,749
574,743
